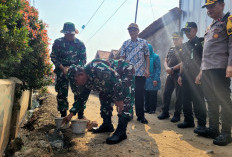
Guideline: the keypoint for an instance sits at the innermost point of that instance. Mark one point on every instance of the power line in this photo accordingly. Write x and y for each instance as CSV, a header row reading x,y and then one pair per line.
x,y
83,27
136,11
106,21
152,10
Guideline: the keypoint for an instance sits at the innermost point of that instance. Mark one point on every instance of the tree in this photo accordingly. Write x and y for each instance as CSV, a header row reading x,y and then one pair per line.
x,y
25,48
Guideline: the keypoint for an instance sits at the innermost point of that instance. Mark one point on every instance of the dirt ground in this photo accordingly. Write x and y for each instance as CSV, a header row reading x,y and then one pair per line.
x,y
158,138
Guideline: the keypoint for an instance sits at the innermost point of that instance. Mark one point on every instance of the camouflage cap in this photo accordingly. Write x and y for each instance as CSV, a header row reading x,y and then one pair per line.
x,y
74,70
69,28
210,2
133,25
177,35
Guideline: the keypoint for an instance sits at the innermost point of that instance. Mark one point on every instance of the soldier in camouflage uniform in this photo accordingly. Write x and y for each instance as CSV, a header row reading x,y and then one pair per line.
x,y
66,51
115,82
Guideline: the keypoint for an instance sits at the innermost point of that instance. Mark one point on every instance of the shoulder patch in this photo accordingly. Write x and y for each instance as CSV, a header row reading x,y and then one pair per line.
x,y
229,25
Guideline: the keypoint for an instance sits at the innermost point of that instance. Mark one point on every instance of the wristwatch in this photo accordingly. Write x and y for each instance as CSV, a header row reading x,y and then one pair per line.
x,y
172,69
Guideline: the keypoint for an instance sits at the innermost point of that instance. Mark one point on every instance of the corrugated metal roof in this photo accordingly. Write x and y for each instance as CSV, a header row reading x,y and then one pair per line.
x,y
171,16
192,12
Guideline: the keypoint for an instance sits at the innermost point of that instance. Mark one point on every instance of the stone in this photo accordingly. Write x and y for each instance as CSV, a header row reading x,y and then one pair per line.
x,y
43,144
58,144
28,152
209,152
51,132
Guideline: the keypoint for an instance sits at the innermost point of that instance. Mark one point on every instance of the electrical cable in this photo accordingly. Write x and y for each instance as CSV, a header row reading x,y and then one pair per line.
x,y
84,26
106,21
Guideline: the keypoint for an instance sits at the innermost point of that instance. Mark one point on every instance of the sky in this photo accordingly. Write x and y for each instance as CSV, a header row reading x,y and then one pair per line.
x,y
112,34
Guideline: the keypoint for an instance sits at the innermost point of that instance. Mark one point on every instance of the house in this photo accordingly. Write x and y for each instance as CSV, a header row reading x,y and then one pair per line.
x,y
113,54
102,54
158,34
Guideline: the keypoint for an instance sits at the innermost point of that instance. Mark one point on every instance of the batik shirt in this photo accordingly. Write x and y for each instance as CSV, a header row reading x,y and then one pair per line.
x,y
68,52
135,52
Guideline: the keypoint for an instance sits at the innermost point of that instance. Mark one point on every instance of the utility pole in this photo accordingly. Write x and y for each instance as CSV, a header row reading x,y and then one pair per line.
x,y
136,10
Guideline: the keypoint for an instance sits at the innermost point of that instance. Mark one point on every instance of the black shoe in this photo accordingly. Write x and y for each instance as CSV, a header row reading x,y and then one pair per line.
x,y
222,140
146,111
199,129
163,116
175,119
63,113
142,120
152,112
104,128
117,137
186,125
207,132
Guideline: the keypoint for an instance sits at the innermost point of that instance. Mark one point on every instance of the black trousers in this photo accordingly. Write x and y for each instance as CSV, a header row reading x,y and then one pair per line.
x,y
150,100
193,98
170,85
216,88
139,95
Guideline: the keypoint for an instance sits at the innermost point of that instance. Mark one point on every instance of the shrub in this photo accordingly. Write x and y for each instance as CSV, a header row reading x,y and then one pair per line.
x,y
25,48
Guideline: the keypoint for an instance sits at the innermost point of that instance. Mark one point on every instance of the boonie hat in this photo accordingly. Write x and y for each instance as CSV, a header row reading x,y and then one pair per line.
x,y
69,28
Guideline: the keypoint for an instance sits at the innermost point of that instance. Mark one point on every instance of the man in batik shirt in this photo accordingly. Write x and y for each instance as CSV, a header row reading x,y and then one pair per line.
x,y
135,51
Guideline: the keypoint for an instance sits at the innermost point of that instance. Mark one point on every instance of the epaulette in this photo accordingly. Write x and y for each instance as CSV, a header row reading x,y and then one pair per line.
x,y
224,19
229,25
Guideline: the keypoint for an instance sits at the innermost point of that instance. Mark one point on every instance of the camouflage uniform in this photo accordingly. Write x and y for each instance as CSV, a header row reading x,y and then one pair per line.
x,y
115,81
66,53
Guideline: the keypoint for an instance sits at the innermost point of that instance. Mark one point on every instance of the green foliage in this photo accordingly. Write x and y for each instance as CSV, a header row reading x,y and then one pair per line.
x,y
23,45
13,37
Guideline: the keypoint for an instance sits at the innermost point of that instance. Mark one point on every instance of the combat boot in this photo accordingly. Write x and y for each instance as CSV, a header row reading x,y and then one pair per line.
x,y
120,133
199,129
186,125
223,139
106,126
63,113
207,132
175,118
163,115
